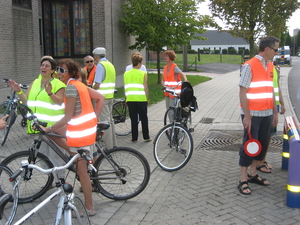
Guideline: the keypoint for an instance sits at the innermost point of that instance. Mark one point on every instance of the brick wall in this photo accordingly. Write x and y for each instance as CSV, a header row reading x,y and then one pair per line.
x,y
20,49
19,52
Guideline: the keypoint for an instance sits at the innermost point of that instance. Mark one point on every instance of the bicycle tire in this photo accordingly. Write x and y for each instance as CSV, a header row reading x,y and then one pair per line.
x,y
85,219
8,187
39,183
168,115
10,121
173,153
187,121
121,118
133,177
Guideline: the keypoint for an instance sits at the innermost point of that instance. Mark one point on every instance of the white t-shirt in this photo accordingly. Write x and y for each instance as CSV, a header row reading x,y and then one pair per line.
x,y
129,67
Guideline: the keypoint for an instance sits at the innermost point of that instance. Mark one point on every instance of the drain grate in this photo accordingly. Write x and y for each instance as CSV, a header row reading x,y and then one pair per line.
x,y
232,140
206,120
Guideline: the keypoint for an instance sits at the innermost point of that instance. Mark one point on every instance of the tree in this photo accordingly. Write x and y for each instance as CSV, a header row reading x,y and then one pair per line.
x,y
162,23
251,19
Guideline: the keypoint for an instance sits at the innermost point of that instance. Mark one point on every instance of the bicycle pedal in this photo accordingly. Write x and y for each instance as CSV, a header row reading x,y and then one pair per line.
x,y
191,130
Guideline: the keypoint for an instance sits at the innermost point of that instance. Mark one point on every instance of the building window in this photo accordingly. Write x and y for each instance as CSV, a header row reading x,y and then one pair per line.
x,y
67,28
22,3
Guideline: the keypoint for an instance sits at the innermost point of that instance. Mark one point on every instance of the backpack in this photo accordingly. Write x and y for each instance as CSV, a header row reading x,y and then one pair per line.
x,y
187,97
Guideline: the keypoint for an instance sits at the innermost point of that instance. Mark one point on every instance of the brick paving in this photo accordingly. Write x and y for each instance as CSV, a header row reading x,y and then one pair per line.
x,y
204,191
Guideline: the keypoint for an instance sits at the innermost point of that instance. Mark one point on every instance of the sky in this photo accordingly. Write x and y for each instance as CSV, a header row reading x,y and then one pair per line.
x,y
292,23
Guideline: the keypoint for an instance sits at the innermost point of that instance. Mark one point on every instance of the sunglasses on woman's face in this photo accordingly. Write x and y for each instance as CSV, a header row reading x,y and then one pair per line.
x,y
61,70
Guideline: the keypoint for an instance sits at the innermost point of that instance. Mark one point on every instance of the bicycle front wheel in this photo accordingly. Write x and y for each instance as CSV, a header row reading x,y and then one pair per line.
x,y
84,218
173,147
9,120
33,183
10,188
124,174
121,118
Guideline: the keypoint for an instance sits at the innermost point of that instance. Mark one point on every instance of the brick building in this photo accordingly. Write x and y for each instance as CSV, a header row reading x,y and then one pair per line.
x,y
62,29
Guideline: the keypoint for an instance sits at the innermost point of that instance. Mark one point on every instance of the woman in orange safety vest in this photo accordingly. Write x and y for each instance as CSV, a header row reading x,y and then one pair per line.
x,y
81,120
172,77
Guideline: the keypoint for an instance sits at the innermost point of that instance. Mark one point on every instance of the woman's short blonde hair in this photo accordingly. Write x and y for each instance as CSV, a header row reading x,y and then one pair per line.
x,y
136,58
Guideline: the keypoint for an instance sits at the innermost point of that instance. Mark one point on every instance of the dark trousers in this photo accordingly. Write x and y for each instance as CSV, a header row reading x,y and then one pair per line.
x,y
138,111
260,130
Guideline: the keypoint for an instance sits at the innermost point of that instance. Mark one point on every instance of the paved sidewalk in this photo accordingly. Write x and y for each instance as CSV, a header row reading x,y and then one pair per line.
x,y
204,191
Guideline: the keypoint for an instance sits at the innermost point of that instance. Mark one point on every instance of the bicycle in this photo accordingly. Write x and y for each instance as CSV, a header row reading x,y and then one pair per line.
x,y
173,145
9,194
11,108
123,172
176,112
69,203
121,117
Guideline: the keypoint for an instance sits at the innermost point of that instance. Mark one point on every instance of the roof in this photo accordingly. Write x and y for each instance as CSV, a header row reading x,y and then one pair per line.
x,y
216,37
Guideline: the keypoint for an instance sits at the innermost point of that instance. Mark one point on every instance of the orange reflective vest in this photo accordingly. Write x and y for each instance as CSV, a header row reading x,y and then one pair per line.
x,y
260,92
81,130
91,74
171,80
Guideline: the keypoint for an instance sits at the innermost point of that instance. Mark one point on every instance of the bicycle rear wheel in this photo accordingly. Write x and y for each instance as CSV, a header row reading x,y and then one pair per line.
x,y
10,188
129,176
121,118
9,120
169,115
33,183
173,147
84,217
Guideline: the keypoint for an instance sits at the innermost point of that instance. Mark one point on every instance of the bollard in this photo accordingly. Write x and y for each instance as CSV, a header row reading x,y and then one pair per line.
x,y
293,184
285,152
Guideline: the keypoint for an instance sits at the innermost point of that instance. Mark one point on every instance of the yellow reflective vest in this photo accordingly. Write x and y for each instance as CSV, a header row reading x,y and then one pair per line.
x,y
134,86
41,104
276,87
107,87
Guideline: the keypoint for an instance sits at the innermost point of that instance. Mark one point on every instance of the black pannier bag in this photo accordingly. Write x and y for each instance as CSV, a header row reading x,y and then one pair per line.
x,y
187,97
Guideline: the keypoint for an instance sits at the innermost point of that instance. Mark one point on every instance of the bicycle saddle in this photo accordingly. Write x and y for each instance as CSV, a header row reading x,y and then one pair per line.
x,y
104,125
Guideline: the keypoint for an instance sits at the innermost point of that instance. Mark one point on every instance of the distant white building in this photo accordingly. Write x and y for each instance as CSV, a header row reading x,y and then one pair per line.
x,y
295,32
217,40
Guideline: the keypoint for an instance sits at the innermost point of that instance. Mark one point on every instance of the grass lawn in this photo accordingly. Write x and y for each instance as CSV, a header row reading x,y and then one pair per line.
x,y
204,59
155,92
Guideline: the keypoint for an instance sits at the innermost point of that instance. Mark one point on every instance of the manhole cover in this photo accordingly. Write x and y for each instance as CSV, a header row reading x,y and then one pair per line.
x,y
206,120
232,141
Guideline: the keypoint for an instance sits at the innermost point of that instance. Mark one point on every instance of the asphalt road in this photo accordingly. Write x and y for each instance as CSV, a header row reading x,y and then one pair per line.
x,y
294,84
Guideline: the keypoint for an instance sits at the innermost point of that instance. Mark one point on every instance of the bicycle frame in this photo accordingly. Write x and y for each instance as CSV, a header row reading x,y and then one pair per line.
x,y
64,197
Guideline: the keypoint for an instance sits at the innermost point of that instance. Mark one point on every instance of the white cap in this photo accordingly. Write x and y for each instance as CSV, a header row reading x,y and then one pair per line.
x,y
99,51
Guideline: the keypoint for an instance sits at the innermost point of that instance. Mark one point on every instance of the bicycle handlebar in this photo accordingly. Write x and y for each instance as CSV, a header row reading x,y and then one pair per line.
x,y
23,86
36,122
25,164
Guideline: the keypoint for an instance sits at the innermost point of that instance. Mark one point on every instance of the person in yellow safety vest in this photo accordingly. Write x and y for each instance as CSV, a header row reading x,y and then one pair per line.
x,y
258,109
55,75
45,98
172,77
81,121
90,68
137,97
263,165
105,82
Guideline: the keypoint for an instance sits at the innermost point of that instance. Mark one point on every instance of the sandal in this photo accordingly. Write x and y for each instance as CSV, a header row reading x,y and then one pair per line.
x,y
264,166
257,180
242,189
268,165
